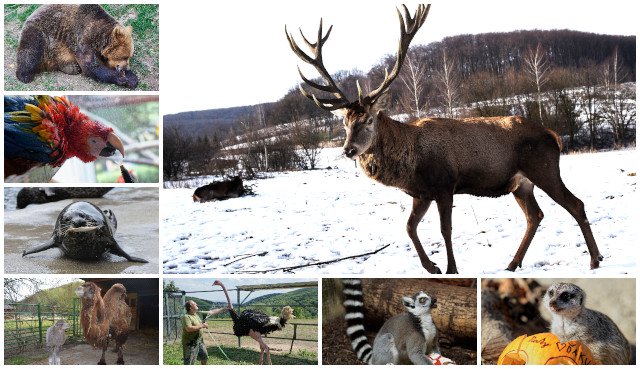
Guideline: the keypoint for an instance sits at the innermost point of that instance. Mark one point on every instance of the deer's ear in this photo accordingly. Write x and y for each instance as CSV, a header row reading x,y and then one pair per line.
x,y
340,112
382,103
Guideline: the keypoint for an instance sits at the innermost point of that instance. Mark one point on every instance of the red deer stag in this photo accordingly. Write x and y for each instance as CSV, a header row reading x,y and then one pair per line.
x,y
434,158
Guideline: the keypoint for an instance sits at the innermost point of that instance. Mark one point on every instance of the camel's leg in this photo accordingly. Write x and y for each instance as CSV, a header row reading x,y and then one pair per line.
x,y
420,207
56,355
263,346
102,360
529,205
120,356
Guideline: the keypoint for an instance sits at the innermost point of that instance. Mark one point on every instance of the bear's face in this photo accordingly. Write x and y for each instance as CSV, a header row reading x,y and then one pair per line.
x,y
119,49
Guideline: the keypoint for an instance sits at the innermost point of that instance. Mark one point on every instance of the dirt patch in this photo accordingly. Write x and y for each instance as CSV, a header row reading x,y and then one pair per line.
x,y
141,349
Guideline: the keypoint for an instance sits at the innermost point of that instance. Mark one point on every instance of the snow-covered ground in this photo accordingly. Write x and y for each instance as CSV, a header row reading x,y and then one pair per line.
x,y
304,217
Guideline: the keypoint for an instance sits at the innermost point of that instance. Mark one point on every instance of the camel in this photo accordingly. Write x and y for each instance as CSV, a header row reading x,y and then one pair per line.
x,y
104,317
55,339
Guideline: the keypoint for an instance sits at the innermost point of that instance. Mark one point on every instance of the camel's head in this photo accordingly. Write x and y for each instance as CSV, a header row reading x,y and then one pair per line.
x,y
88,291
62,325
287,312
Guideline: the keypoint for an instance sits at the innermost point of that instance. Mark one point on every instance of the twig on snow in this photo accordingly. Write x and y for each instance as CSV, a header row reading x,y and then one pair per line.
x,y
248,256
288,269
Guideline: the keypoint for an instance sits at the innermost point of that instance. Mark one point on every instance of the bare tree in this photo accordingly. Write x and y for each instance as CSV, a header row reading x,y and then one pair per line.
x,y
619,103
413,76
308,136
15,289
537,66
448,84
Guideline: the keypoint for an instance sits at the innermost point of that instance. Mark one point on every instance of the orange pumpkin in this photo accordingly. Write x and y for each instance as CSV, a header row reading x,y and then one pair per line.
x,y
545,349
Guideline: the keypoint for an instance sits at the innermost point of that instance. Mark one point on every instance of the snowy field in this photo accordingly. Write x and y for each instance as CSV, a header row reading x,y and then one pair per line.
x,y
298,218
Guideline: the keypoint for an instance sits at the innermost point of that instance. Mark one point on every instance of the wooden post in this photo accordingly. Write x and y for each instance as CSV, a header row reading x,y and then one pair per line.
x,y
295,335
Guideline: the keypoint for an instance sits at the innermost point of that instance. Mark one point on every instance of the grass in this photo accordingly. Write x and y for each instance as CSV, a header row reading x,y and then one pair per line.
x,y
144,18
304,352
238,356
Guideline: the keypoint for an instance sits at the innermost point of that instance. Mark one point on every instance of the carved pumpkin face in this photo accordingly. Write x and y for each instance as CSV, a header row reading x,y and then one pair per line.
x,y
545,349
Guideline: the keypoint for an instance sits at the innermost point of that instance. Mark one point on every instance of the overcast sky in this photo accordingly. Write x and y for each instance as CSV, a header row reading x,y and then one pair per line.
x,y
235,53
214,293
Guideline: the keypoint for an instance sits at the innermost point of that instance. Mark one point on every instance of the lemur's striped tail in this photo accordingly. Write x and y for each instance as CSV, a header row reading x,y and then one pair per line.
x,y
352,290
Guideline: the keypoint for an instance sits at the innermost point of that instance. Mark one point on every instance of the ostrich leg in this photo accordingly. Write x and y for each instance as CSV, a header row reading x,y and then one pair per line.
x,y
263,346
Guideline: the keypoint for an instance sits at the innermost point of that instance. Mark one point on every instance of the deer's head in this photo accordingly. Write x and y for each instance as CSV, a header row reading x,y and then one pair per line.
x,y
360,117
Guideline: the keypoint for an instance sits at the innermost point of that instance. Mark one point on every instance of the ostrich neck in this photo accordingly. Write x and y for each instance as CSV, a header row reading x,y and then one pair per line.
x,y
388,160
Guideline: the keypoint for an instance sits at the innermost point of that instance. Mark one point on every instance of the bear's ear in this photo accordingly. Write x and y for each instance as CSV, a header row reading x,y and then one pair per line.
x,y
120,32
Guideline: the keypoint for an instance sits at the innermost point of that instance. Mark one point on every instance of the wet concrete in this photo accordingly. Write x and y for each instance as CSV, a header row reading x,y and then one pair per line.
x,y
136,210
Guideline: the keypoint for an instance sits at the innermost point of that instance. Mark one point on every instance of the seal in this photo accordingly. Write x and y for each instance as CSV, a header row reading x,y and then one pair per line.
x,y
43,195
84,232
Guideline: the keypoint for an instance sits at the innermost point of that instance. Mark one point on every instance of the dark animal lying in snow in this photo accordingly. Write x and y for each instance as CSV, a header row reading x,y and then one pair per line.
x,y
219,190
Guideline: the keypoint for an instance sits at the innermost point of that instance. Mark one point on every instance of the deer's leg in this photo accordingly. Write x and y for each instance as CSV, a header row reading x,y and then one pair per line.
x,y
550,182
420,207
445,206
525,198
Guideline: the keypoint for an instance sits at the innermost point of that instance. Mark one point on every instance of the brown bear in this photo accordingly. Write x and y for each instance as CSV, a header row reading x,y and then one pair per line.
x,y
76,39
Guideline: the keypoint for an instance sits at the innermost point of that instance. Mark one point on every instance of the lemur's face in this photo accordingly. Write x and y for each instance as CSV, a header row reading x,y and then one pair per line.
x,y
420,303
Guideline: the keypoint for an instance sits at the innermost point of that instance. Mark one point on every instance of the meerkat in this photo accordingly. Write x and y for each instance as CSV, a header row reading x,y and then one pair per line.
x,y
572,321
406,338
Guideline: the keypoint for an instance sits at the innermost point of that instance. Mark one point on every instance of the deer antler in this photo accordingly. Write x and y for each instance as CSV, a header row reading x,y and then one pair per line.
x,y
340,100
407,31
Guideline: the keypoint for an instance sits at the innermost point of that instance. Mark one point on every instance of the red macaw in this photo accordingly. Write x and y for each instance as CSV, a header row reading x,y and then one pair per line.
x,y
48,130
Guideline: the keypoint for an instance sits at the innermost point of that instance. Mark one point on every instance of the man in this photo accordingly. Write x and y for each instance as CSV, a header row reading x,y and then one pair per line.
x,y
192,341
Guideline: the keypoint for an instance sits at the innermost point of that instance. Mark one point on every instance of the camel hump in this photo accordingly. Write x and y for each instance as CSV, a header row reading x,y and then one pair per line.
x,y
117,291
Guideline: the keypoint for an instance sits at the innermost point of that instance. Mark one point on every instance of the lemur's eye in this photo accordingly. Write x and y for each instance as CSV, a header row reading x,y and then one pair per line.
x,y
422,300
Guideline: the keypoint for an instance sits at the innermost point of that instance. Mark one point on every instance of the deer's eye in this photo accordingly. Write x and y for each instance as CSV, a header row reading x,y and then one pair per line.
x,y
369,121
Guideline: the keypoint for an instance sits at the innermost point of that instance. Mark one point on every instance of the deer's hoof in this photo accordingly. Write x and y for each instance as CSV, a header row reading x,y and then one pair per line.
x,y
512,267
595,263
452,270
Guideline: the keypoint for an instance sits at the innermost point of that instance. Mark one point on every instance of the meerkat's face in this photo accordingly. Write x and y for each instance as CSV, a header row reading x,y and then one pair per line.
x,y
419,304
564,299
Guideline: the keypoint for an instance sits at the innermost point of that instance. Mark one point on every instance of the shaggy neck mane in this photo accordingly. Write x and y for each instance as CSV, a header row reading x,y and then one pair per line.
x,y
92,318
389,158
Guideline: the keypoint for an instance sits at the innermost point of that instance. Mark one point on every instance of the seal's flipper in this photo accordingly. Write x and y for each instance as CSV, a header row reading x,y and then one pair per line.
x,y
117,250
45,246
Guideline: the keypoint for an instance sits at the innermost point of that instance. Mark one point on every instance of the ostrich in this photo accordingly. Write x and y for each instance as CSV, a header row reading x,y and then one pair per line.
x,y
254,323
104,317
55,339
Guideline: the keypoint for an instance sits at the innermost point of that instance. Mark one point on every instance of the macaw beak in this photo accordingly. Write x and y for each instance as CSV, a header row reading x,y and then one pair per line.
x,y
113,144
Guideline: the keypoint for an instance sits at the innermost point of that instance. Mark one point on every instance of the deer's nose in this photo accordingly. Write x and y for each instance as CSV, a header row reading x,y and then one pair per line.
x,y
350,152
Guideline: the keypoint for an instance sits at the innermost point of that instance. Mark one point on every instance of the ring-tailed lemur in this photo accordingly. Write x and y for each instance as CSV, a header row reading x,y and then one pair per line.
x,y
406,338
